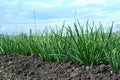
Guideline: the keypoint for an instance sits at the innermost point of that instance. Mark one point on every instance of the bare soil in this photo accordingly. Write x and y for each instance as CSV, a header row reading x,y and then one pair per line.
x,y
13,67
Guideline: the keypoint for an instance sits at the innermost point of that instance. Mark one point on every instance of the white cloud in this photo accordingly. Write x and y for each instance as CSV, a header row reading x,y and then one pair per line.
x,y
40,5
85,2
23,9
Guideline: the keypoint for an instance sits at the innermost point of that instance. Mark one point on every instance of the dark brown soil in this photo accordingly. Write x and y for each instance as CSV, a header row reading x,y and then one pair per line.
x,y
34,68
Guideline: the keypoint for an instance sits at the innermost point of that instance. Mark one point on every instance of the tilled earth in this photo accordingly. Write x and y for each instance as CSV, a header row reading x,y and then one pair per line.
x,y
14,67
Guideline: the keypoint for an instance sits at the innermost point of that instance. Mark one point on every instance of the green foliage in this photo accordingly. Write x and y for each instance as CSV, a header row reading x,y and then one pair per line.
x,y
87,44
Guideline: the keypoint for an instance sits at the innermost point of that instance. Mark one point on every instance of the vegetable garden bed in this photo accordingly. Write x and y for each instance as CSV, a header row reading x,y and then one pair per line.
x,y
84,52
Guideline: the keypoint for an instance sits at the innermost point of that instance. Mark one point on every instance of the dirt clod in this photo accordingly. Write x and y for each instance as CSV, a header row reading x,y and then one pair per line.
x,y
14,67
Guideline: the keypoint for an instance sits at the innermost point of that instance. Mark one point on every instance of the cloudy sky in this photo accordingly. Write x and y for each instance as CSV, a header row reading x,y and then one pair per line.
x,y
16,14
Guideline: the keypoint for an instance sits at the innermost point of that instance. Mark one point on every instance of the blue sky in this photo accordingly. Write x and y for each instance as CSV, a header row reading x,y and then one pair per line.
x,y
51,12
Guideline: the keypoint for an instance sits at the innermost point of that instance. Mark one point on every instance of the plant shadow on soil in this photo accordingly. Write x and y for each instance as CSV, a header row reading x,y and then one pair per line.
x,y
15,67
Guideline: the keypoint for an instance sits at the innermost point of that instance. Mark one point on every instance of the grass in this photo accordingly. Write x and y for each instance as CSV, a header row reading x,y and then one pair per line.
x,y
88,45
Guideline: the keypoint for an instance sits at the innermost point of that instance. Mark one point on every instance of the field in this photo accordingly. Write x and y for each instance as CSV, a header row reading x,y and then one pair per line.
x,y
86,52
